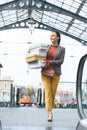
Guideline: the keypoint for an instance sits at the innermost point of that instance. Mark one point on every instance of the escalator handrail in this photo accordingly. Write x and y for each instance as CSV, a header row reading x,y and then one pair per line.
x,y
79,87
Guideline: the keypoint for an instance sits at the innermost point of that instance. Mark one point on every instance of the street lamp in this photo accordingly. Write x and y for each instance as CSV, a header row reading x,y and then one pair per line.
x,y
31,24
31,21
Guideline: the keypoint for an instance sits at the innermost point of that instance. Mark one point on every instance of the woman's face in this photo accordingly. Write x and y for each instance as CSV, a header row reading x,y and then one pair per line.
x,y
54,38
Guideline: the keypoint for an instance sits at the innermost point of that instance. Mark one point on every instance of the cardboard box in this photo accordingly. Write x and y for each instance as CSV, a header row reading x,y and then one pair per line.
x,y
34,58
36,64
39,49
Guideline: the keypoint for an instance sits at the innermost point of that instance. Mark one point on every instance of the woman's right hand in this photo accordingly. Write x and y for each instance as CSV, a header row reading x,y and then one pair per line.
x,y
46,62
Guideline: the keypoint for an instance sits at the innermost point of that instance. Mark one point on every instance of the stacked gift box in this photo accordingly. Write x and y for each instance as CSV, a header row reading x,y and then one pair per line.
x,y
36,56
39,49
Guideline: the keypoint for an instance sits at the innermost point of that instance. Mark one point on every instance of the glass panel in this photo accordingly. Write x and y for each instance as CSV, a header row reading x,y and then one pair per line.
x,y
83,11
5,1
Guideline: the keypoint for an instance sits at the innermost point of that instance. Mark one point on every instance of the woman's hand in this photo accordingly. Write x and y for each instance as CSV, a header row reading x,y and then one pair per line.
x,y
46,63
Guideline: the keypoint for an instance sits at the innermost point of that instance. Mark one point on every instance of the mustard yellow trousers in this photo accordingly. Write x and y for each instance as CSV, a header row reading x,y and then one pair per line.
x,y
50,87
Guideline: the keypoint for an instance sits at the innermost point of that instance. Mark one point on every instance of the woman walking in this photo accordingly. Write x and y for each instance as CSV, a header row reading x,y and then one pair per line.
x,y
54,60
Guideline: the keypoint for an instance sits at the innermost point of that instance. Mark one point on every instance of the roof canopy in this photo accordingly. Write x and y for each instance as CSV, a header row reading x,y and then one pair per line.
x,y
69,17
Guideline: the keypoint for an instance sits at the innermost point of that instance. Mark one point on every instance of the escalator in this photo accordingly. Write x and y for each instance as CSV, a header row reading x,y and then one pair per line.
x,y
81,93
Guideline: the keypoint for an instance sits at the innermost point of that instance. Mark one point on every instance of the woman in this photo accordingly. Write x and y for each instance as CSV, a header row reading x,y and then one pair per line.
x,y
54,59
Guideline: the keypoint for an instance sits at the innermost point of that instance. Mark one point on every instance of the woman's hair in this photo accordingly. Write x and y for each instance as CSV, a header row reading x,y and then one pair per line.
x,y
58,35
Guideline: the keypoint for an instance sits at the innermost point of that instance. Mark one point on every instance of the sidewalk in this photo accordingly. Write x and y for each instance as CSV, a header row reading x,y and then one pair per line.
x,y
37,117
